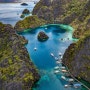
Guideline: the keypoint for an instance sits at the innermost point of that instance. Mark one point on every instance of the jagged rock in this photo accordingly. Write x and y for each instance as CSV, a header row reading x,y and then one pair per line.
x,y
42,36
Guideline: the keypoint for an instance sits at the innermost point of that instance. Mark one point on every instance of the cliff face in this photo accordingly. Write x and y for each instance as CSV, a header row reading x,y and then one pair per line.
x,y
77,58
73,12
50,10
17,72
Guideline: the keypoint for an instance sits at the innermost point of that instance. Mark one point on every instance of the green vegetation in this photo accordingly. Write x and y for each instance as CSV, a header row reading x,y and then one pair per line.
x,y
15,64
78,55
29,22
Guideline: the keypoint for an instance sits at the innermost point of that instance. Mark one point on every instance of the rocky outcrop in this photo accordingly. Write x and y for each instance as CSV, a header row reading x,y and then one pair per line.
x,y
29,22
17,72
42,36
26,11
77,58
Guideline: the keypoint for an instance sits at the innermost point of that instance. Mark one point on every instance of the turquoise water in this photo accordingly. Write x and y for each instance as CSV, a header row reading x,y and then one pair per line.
x,y
42,58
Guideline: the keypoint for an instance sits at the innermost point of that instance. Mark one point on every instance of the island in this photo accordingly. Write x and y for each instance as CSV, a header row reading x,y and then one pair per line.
x,y
42,36
22,16
26,11
24,4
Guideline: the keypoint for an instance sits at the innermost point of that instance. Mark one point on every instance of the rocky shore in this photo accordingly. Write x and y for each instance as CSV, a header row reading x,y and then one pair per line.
x,y
17,72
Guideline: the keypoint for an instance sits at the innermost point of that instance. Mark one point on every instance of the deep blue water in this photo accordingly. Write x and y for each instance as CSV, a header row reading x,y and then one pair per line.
x,y
42,58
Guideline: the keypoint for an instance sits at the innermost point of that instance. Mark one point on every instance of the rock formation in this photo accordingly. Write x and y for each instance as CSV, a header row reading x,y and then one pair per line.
x,y
17,72
42,36
26,11
29,22
77,58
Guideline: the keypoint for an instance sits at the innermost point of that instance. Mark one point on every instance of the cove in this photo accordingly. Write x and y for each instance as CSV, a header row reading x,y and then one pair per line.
x,y
42,58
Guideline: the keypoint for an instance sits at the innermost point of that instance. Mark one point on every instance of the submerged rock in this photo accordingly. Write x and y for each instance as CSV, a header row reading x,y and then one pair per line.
x,y
42,36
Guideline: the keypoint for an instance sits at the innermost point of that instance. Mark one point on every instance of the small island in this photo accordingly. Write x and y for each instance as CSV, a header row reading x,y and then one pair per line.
x,y
42,36
24,4
22,16
26,11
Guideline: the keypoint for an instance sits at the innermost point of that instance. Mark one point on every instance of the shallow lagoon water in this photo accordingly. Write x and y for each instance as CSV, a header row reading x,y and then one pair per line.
x,y
42,58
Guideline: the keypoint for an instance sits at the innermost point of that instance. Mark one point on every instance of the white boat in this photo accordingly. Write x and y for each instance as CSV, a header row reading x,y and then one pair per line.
x,y
77,85
56,71
35,49
64,71
71,80
63,77
52,54
60,54
56,58
57,67
45,28
66,86
61,57
62,67
58,62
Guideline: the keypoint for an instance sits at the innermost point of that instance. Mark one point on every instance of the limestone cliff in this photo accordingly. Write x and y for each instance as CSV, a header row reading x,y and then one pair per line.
x,y
50,10
73,12
17,72
77,58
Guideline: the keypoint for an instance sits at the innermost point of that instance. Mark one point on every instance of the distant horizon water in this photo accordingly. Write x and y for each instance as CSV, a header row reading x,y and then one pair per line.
x,y
13,1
